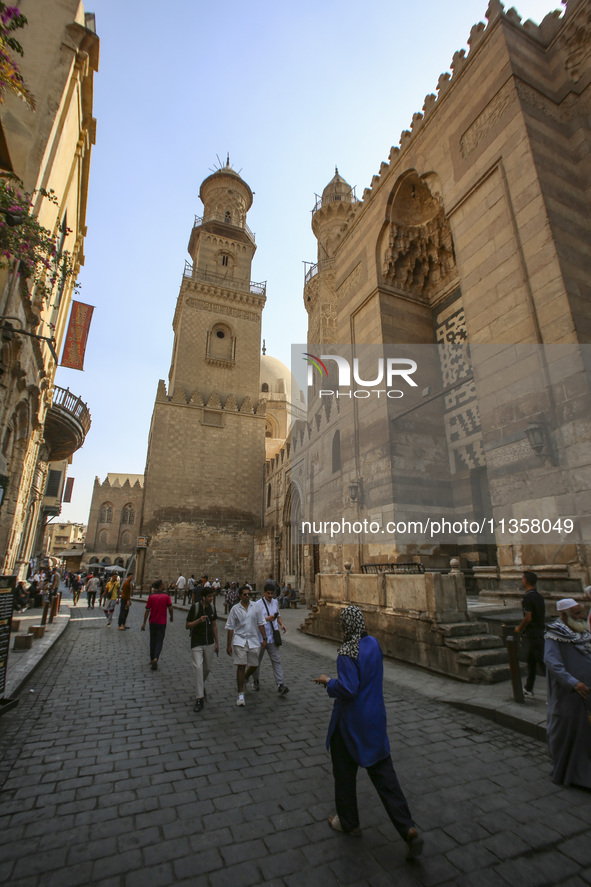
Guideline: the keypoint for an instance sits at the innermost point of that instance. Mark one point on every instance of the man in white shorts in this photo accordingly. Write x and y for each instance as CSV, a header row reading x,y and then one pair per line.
x,y
244,640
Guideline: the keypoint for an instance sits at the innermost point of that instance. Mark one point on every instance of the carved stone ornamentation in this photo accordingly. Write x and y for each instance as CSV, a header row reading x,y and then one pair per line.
x,y
575,40
420,258
485,121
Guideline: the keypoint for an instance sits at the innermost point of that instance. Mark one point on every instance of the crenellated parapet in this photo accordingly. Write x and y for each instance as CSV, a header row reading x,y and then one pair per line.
x,y
215,401
574,39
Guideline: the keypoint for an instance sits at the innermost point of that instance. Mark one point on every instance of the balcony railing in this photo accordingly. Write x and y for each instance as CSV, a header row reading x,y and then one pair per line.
x,y
63,397
319,266
218,217
335,198
66,424
241,285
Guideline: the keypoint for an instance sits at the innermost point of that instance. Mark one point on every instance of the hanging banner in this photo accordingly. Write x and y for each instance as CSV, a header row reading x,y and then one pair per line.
x,y
77,335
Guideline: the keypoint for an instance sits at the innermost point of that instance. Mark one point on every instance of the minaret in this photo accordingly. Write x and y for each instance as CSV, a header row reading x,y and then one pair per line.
x,y
206,452
220,356
330,218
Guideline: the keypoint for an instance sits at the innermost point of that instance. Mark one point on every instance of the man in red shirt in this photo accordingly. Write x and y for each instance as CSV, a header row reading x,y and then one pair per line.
x,y
158,603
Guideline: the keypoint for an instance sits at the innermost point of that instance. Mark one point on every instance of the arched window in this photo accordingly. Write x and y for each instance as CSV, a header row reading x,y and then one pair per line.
x,y
128,514
336,452
106,513
221,343
106,561
103,537
125,539
119,561
265,386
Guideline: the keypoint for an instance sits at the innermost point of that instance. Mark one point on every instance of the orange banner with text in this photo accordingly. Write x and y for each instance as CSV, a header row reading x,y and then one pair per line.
x,y
77,335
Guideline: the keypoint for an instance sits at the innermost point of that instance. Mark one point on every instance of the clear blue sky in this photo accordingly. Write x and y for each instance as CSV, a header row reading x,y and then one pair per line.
x,y
289,90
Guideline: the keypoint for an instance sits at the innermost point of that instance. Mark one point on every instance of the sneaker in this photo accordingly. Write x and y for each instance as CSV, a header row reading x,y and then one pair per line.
x,y
255,684
198,705
282,690
154,664
529,694
240,700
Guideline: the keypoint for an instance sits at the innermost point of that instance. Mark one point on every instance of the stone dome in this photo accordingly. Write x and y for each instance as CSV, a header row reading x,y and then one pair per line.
x,y
337,190
278,380
225,177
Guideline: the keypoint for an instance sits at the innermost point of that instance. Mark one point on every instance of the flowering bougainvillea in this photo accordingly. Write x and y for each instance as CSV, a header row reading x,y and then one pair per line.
x,y
11,79
24,240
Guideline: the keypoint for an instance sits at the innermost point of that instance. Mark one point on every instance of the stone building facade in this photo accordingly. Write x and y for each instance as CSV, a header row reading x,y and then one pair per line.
x,y
61,536
474,232
47,148
113,520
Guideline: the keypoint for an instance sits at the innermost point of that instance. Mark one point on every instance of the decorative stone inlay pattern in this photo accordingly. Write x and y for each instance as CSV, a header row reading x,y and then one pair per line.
x,y
514,452
461,416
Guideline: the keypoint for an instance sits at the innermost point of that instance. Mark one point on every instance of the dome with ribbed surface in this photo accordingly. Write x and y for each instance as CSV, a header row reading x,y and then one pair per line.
x,y
338,190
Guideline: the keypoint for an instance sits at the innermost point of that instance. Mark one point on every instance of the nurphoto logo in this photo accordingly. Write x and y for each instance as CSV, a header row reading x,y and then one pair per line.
x,y
388,371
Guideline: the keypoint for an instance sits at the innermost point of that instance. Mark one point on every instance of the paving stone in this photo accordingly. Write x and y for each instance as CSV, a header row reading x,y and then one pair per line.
x,y
242,797
244,874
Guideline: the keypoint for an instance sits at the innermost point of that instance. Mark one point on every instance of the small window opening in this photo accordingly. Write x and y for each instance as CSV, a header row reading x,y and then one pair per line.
x,y
221,334
224,260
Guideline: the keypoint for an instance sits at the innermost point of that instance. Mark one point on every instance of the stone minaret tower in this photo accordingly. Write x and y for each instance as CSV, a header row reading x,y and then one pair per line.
x,y
206,452
330,218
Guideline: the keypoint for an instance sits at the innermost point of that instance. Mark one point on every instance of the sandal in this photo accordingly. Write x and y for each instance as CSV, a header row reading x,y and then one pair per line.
x,y
415,844
335,823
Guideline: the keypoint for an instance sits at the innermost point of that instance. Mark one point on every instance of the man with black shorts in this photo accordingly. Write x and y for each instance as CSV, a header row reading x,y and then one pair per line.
x,y
532,627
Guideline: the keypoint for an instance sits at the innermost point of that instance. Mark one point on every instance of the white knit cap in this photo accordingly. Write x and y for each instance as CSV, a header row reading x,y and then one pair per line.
x,y
566,604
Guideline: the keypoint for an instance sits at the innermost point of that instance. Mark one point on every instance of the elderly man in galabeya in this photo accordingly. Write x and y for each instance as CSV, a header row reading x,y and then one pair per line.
x,y
567,654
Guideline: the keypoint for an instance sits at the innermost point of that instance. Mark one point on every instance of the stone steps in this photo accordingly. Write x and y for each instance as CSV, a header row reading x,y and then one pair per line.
x,y
460,629
474,642
489,674
479,658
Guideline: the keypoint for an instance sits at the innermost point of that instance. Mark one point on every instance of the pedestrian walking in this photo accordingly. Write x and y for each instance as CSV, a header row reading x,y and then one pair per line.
x,y
244,640
156,607
111,597
125,604
202,623
181,586
357,733
567,653
270,626
92,587
532,627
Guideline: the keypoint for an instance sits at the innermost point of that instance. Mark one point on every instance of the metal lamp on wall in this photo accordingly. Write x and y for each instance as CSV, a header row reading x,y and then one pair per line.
x,y
540,441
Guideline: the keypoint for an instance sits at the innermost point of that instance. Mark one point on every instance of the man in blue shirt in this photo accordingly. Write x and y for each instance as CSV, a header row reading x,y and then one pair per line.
x,y
357,734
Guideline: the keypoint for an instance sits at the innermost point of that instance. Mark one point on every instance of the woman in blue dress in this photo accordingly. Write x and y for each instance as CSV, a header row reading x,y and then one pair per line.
x,y
357,734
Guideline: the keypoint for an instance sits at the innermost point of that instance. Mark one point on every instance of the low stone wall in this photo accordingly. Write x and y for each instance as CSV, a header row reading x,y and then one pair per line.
x,y
437,597
421,619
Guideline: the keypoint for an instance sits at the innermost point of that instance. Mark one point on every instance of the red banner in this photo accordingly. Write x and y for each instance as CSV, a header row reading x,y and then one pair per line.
x,y
68,489
77,335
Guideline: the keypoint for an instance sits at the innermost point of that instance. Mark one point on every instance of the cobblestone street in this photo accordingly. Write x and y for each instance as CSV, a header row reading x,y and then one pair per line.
x,y
109,778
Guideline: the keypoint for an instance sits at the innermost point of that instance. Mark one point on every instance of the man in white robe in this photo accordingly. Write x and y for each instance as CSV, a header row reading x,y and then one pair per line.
x,y
567,655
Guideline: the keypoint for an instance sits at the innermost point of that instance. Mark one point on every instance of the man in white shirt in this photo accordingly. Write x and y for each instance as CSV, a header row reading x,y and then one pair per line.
x,y
244,640
268,620
181,584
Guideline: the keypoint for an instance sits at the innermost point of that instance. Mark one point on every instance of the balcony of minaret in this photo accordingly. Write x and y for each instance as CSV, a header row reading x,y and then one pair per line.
x,y
239,285
67,423
221,225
